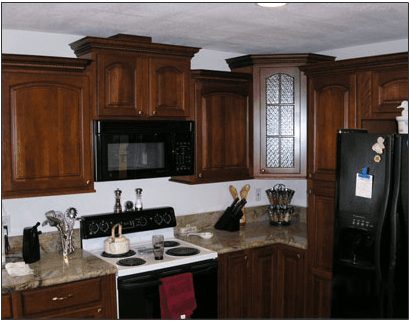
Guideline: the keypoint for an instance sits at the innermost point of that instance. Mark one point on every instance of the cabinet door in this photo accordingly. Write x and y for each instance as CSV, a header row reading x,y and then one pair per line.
x,y
223,131
45,134
281,128
169,87
234,288
122,88
331,106
290,283
6,308
264,283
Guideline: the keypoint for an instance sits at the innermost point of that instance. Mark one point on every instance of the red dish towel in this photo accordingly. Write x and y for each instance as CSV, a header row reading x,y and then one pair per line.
x,y
177,296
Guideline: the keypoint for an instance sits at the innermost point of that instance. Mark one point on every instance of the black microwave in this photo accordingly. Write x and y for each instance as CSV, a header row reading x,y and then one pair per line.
x,y
142,149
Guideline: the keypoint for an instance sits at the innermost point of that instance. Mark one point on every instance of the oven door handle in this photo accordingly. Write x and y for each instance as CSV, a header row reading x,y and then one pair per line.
x,y
133,285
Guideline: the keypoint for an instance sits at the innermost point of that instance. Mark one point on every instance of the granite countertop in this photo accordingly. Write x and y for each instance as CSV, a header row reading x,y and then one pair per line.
x,y
52,270
253,234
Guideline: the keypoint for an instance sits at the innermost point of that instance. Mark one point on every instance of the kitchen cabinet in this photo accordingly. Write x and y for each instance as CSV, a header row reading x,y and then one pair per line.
x,y
280,112
223,118
354,93
133,78
263,282
92,298
46,147
6,308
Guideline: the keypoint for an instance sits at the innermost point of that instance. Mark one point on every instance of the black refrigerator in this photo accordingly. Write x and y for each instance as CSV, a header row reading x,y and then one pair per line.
x,y
370,270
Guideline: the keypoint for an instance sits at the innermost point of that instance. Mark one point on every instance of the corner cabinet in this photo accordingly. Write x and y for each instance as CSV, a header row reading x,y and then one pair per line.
x,y
358,93
46,126
280,112
134,78
223,118
262,283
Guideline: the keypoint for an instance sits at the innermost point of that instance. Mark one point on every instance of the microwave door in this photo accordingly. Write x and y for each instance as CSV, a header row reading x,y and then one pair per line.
x,y
133,156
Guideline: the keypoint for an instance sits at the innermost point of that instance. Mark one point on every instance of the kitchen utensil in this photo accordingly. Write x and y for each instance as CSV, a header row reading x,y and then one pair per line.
x,y
226,216
204,235
31,244
158,246
243,194
233,192
116,245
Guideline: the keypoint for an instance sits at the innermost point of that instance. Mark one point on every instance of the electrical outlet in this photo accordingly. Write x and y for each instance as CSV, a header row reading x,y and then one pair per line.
x,y
6,221
258,194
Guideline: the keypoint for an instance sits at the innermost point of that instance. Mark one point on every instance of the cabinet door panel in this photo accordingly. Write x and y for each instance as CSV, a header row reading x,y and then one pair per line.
x,y
265,275
319,297
121,85
291,283
46,133
331,107
169,87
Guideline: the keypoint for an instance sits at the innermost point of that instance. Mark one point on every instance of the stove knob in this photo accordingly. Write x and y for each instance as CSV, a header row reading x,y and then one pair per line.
x,y
93,228
167,218
158,219
143,221
104,226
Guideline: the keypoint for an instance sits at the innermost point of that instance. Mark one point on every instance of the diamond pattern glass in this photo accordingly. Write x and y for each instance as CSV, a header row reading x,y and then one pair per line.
x,y
287,89
287,120
273,152
273,116
287,152
273,89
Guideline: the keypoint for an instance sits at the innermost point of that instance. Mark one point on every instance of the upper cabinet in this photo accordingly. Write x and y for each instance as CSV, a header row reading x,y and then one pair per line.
x,y
280,112
223,118
134,78
46,146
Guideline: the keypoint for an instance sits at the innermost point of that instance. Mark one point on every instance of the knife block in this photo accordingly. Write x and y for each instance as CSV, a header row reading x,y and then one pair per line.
x,y
227,222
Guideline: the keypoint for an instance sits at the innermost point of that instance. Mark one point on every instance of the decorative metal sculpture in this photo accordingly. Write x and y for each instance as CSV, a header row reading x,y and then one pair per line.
x,y
65,225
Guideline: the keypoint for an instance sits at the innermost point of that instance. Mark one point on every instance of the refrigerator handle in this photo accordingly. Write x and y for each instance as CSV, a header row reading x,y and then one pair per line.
x,y
382,216
394,205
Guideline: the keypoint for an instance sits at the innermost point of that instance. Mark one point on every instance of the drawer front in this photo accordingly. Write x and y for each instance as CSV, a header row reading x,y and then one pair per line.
x,y
61,296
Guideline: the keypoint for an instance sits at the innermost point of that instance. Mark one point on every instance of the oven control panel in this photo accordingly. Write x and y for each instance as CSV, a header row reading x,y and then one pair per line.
x,y
99,225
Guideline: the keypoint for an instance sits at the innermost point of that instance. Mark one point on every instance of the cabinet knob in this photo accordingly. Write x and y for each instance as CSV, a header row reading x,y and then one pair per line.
x,y
154,112
200,175
246,257
99,310
309,175
263,171
298,256
140,112
309,191
88,182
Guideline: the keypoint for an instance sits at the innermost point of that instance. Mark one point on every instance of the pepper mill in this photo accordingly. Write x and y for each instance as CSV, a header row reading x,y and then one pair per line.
x,y
138,203
118,207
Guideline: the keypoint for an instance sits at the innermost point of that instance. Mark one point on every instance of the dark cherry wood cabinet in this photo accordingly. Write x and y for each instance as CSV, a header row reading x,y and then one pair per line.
x,y
134,78
46,126
354,93
264,282
224,127
93,298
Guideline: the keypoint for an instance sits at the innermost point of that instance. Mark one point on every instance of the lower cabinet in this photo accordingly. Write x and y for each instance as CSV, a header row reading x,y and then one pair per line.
x,y
264,282
88,299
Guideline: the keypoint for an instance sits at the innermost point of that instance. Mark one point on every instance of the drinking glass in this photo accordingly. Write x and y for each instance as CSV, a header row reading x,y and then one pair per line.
x,y
158,246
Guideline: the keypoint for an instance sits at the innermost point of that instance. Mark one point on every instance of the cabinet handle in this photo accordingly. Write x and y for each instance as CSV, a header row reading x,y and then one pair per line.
x,y
99,310
140,112
154,112
69,296
263,170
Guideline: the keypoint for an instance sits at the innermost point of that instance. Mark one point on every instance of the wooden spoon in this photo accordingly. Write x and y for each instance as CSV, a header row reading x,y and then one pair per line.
x,y
243,194
233,191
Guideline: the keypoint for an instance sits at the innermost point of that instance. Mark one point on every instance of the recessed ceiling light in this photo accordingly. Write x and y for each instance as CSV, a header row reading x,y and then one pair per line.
x,y
272,4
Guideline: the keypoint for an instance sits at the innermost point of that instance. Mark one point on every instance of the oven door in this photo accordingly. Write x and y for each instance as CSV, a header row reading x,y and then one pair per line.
x,y
120,156
138,295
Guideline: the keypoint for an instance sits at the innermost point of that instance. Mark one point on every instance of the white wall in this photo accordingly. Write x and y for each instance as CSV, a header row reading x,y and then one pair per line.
x,y
186,199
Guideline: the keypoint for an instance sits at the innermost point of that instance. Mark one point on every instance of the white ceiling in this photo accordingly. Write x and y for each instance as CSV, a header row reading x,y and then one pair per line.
x,y
231,27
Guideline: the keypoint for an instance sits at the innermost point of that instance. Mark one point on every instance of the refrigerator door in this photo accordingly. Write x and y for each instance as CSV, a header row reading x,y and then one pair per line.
x,y
362,197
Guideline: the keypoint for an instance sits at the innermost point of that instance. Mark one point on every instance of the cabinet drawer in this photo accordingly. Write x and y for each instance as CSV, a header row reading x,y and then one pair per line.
x,y
61,296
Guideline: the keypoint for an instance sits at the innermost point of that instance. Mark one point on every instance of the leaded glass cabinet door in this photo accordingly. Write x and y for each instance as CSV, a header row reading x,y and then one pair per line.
x,y
282,123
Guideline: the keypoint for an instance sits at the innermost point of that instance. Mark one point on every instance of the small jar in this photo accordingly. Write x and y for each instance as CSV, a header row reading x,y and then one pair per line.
x,y
138,203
